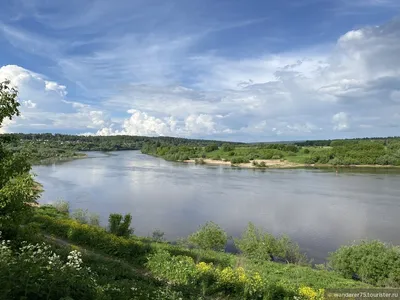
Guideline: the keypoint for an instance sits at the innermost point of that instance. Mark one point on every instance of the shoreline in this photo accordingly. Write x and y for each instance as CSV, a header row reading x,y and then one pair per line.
x,y
284,164
51,160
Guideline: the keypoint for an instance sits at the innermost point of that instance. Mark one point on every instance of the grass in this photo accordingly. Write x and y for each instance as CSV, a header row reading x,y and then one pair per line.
x,y
289,275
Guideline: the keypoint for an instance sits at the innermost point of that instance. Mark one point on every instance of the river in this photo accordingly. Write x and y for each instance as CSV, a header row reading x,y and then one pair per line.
x,y
319,209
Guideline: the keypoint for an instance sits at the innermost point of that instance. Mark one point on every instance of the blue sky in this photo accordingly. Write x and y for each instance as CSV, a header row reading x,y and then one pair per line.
x,y
230,70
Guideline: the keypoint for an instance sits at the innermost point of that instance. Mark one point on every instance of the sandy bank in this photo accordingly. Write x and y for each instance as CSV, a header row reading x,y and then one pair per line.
x,y
269,163
284,164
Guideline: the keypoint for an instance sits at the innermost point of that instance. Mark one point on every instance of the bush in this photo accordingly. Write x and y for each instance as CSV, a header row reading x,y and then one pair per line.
x,y
94,219
239,160
158,235
62,206
386,160
178,269
199,161
118,226
35,272
80,215
227,147
94,237
261,246
262,164
209,237
373,262
211,147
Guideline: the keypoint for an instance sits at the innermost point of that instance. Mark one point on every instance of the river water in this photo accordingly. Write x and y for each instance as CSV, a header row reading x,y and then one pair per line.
x,y
319,209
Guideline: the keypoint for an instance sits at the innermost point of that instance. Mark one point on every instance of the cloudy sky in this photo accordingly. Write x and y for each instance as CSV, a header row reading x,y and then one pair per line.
x,y
252,70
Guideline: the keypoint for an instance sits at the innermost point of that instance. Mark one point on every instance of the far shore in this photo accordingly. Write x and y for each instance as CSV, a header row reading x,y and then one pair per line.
x,y
282,164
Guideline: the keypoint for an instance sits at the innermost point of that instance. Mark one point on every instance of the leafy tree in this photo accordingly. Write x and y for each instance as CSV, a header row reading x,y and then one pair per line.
x,y
211,147
209,237
17,187
119,226
227,147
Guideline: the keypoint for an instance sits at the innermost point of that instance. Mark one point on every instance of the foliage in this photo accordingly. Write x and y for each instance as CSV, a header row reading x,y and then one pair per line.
x,y
98,238
373,262
211,147
34,271
308,293
180,270
61,206
261,246
17,187
199,161
119,226
239,160
158,235
8,101
209,237
81,215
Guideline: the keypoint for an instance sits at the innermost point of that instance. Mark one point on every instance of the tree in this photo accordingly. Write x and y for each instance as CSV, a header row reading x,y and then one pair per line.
x,y
17,187
209,237
118,226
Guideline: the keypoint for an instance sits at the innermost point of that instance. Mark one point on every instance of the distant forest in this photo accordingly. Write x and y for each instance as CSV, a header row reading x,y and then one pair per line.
x,y
362,151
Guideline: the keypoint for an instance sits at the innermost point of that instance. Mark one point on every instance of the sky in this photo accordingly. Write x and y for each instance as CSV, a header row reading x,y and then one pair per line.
x,y
255,70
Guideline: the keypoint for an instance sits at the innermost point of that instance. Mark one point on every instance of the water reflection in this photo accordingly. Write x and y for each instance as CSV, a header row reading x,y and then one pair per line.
x,y
318,208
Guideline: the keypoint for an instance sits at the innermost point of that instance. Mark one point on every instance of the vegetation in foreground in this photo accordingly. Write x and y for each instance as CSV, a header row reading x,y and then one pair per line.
x,y
46,253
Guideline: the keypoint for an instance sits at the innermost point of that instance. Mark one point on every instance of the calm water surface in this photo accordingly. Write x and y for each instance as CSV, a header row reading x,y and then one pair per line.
x,y
319,209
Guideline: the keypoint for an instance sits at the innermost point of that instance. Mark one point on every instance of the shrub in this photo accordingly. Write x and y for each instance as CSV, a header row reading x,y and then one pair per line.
x,y
94,219
227,147
239,160
94,237
261,246
158,235
308,293
199,161
35,272
118,226
211,147
386,160
306,151
80,215
62,206
209,237
262,164
177,269
373,262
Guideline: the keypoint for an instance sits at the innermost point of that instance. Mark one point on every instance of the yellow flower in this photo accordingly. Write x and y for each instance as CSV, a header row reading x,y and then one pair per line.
x,y
203,267
241,275
311,294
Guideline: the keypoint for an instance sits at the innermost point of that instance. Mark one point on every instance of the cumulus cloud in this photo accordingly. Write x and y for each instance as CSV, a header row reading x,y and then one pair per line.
x,y
43,104
349,89
341,121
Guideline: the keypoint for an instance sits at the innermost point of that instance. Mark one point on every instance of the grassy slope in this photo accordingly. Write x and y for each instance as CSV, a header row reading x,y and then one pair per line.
x,y
287,274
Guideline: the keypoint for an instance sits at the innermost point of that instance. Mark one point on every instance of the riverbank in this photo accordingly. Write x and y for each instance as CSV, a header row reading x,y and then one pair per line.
x,y
51,160
281,164
202,271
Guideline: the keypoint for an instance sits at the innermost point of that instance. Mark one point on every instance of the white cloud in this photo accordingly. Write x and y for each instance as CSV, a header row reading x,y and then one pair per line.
x,y
29,104
44,105
351,87
200,125
54,86
341,121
